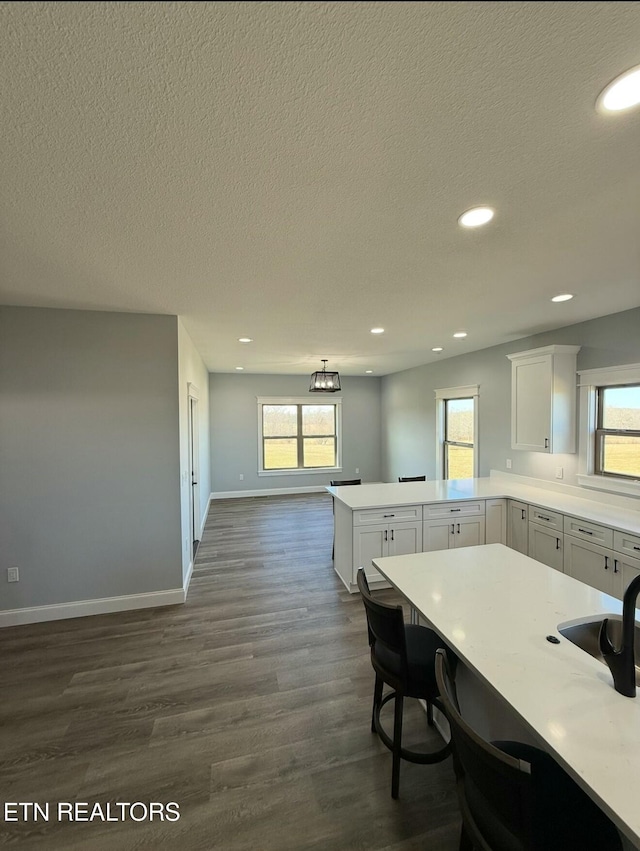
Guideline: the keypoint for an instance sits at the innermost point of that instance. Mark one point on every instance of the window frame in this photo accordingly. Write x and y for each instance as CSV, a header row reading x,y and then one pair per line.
x,y
601,432
589,382
299,402
443,395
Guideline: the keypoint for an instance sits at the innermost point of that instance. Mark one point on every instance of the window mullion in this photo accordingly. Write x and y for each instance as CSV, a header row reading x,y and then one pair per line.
x,y
300,438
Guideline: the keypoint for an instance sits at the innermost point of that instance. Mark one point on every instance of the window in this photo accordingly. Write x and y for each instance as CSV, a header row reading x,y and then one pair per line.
x,y
456,432
610,429
458,438
298,436
617,436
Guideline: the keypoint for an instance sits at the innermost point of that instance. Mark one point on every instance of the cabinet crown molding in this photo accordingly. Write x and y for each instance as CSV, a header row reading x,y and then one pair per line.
x,y
546,350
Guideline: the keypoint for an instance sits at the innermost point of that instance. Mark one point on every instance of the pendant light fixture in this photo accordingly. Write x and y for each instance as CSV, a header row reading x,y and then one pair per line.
x,y
323,381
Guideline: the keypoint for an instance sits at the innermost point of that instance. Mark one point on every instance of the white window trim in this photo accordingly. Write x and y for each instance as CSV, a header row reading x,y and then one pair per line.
x,y
300,400
588,382
469,390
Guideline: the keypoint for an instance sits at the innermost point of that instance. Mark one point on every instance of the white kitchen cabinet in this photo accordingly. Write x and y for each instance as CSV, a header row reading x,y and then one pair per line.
x,y
384,539
495,528
518,526
630,569
447,534
547,546
543,399
593,564
546,537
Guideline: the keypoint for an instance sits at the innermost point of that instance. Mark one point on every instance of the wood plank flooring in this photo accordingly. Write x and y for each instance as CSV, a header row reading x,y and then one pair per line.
x,y
249,706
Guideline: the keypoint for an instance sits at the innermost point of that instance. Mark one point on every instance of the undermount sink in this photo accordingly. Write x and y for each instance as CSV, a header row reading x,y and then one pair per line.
x,y
585,636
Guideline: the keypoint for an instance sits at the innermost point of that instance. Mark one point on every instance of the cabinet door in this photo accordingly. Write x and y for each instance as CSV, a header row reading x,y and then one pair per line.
x,y
531,392
405,539
369,542
518,526
593,565
437,535
469,532
496,521
629,566
547,546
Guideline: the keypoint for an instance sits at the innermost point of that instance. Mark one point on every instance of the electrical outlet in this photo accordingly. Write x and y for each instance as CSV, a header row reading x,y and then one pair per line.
x,y
242,477
12,574
559,472
508,463
357,470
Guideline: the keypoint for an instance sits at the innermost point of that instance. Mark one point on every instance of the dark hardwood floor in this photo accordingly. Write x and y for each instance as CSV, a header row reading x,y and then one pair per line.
x,y
249,707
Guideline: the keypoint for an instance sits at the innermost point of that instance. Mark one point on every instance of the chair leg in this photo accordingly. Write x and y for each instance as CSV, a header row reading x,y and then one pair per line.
x,y
377,699
465,840
429,713
397,745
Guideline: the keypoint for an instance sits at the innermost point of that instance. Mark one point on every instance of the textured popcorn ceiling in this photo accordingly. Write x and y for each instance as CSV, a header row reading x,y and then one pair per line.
x,y
294,171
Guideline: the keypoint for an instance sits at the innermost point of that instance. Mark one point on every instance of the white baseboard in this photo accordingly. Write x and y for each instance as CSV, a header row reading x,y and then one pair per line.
x,y
266,492
103,606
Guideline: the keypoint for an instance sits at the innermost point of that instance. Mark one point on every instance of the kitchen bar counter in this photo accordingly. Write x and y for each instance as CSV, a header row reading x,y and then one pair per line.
x,y
380,495
495,607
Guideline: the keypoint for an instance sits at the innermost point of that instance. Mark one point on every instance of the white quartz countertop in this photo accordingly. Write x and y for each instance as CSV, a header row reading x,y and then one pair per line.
x,y
382,495
495,607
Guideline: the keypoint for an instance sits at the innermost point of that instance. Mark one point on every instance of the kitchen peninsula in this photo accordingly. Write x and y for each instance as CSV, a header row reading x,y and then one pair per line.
x,y
593,537
495,607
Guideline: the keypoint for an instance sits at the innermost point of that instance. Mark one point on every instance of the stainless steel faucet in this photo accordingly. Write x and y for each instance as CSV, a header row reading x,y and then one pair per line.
x,y
622,663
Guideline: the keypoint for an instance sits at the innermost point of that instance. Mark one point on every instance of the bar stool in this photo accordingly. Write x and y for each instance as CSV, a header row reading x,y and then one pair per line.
x,y
514,797
403,657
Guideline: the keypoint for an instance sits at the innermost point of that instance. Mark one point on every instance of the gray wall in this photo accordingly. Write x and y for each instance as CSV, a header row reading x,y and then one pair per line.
x,y
89,455
234,430
409,410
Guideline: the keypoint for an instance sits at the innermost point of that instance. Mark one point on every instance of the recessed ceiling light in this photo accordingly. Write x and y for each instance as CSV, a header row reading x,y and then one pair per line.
x,y
239,367
436,349
368,371
622,93
460,334
245,340
377,330
563,297
475,217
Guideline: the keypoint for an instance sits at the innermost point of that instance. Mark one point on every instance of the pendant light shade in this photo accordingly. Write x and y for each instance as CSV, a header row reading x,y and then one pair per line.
x,y
323,381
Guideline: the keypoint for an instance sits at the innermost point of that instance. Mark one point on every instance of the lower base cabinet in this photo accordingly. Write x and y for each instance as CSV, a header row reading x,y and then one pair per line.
x,y
547,546
384,539
446,534
593,564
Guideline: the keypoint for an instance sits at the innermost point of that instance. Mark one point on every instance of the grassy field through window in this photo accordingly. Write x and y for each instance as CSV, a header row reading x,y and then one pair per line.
x,y
622,455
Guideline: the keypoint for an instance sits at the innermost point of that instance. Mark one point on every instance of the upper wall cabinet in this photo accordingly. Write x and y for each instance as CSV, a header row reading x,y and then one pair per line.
x,y
543,399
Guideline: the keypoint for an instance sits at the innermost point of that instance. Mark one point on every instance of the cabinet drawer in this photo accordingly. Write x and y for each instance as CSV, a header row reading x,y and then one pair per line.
x,y
588,531
394,514
550,519
467,508
625,543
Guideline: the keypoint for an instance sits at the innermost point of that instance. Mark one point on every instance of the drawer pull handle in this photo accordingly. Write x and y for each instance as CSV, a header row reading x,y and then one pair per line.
x,y
388,515
542,517
636,548
586,531
455,509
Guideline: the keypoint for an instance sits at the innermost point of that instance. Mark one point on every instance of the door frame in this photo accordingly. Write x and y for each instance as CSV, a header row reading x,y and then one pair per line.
x,y
193,434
